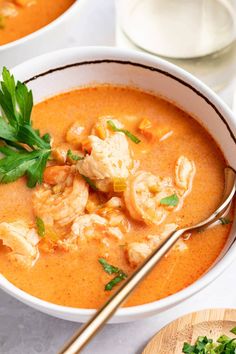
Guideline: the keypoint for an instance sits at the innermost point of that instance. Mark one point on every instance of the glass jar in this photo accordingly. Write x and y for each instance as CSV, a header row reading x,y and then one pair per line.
x,y
198,35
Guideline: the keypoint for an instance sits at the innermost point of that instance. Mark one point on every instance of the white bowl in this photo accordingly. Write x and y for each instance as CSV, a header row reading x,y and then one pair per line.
x,y
56,72
54,36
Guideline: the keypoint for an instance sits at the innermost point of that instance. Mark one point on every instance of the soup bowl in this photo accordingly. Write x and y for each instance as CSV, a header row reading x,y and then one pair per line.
x,y
65,70
54,36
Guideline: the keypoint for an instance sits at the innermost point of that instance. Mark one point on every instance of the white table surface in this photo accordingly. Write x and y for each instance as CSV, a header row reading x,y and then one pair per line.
x,y
26,331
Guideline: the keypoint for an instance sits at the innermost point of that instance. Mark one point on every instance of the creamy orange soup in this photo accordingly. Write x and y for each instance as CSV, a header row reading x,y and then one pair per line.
x,y
18,18
176,158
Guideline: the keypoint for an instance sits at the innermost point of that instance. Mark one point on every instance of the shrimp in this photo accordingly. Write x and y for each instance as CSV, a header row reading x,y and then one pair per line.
x,y
145,191
143,194
62,197
22,241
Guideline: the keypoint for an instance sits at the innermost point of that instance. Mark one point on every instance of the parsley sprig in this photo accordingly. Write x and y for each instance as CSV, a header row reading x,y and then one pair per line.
x,y
110,269
25,151
204,345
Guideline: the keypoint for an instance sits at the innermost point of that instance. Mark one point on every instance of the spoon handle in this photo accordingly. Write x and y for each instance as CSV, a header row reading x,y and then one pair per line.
x,y
86,332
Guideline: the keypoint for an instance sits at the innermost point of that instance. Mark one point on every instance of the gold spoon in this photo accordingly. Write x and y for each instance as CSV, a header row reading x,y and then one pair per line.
x,y
86,332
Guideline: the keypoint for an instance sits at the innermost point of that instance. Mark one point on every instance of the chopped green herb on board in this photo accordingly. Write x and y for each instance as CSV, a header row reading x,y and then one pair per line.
x,y
204,345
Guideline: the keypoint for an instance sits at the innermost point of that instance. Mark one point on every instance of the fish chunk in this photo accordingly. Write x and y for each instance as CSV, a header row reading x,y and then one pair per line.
x,y
93,226
89,227
109,158
137,252
22,241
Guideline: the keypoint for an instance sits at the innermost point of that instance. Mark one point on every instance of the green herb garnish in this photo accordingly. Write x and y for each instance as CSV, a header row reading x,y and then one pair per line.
x,y
74,156
126,132
172,200
90,183
225,221
233,330
26,152
109,286
110,269
40,226
204,345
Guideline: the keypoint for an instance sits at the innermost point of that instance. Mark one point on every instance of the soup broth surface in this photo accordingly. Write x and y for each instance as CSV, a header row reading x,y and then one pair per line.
x,y
76,278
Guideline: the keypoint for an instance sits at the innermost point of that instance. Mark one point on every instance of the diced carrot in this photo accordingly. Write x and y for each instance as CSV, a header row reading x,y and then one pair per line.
x,y
145,124
152,131
86,146
146,128
100,131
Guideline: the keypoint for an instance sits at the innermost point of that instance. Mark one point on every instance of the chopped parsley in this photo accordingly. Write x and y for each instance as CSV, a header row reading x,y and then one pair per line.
x,y
125,131
110,269
172,200
204,345
40,226
25,151
109,286
90,182
74,156
225,221
233,330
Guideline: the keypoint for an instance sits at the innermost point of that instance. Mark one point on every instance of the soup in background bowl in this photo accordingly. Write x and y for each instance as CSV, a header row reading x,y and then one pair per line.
x,y
139,149
32,27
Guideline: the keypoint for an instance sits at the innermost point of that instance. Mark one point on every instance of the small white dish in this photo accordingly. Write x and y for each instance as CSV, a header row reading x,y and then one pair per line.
x,y
51,37
65,70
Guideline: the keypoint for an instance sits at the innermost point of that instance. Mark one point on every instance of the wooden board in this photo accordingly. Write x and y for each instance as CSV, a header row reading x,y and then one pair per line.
x,y
211,323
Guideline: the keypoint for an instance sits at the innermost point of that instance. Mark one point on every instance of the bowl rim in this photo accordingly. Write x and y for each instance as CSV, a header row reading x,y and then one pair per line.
x,y
50,26
122,55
